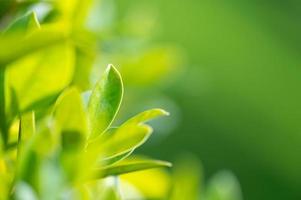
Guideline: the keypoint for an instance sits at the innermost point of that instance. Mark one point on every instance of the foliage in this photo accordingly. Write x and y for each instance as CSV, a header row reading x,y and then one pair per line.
x,y
59,156
56,153
60,141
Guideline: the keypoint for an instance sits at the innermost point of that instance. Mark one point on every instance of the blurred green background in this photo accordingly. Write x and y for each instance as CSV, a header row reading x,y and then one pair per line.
x,y
238,95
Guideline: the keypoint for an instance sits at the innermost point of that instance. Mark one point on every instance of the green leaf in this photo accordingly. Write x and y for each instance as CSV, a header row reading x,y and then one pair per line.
x,y
114,159
70,119
8,40
145,116
27,128
128,166
84,63
105,101
14,47
125,140
41,74
23,24
117,143
32,153
73,11
12,105
131,134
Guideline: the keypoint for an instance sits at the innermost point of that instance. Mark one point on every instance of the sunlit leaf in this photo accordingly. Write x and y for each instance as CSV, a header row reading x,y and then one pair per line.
x,y
145,117
19,27
125,140
53,142
70,119
127,166
105,101
29,164
157,185
131,134
27,128
113,159
71,129
41,75
73,11
84,62
117,143
14,47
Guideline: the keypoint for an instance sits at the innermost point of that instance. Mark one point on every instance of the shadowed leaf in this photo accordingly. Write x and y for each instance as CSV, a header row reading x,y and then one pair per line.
x,y
23,24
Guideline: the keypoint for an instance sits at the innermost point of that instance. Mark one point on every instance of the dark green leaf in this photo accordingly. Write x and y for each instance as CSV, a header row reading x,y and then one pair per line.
x,y
105,101
24,24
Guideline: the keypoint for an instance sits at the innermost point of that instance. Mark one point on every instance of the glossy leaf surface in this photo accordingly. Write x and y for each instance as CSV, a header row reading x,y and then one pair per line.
x,y
105,101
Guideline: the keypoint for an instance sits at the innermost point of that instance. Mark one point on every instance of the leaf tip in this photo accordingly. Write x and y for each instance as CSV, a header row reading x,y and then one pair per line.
x,y
165,113
166,164
162,112
112,68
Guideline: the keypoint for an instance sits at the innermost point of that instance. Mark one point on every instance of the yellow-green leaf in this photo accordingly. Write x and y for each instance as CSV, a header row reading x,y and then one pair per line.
x,y
119,142
131,165
13,47
70,119
41,74
145,116
125,140
115,159
27,127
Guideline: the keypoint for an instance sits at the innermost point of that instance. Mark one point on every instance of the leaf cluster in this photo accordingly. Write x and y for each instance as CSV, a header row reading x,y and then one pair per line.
x,y
56,143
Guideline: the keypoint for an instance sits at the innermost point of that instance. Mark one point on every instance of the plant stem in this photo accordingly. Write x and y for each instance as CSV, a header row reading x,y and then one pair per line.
x,y
3,126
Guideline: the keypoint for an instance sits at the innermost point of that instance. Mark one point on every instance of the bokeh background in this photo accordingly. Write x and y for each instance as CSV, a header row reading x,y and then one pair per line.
x,y
237,97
